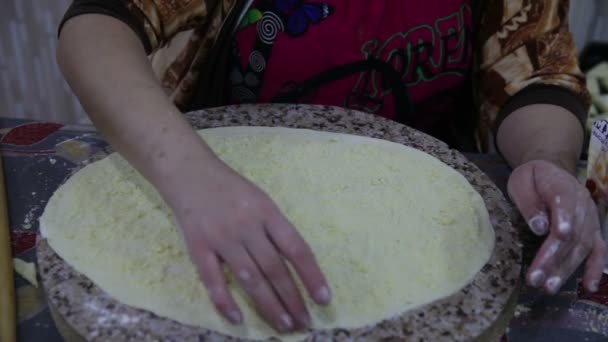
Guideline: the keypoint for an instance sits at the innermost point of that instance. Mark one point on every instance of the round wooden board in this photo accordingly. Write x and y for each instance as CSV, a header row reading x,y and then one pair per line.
x,y
480,311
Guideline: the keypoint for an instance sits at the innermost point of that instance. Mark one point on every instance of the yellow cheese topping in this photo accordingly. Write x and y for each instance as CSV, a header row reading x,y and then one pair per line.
x,y
393,228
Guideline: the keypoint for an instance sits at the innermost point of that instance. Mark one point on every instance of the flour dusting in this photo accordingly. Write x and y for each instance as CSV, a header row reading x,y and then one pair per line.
x,y
108,318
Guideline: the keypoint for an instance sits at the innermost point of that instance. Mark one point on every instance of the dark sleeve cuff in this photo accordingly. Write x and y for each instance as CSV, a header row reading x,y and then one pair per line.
x,y
113,8
544,94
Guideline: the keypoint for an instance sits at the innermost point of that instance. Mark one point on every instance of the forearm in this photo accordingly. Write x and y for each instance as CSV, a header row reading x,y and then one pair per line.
x,y
106,66
541,132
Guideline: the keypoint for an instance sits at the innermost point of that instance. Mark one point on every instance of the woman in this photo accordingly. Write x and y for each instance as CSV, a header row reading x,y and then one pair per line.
x,y
411,61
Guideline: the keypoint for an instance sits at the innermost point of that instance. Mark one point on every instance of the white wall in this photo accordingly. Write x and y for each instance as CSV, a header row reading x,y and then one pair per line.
x,y
31,85
589,21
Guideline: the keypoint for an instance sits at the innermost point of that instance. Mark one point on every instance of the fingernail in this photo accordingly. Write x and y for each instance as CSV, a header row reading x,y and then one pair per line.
x,y
323,295
594,286
235,317
536,278
539,224
553,284
286,322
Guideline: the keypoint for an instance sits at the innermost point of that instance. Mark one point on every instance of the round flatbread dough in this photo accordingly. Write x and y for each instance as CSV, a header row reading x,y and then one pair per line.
x,y
392,227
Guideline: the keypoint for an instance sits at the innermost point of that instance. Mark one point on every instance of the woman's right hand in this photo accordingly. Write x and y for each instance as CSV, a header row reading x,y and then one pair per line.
x,y
226,219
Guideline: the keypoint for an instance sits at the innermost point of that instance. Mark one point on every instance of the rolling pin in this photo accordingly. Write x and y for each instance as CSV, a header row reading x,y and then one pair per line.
x,y
8,324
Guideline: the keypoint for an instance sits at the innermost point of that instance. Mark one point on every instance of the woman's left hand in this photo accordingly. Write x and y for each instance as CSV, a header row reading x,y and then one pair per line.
x,y
555,204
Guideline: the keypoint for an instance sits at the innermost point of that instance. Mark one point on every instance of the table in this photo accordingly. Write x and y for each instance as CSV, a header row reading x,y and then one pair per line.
x,y
38,156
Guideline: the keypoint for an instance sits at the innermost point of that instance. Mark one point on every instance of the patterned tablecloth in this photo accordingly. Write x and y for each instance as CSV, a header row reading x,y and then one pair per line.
x,y
38,156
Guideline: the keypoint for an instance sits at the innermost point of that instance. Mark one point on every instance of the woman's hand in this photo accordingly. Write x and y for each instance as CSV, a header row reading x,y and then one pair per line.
x,y
555,204
227,219
224,218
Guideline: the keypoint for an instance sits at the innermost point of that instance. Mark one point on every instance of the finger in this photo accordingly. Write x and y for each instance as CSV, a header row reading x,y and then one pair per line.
x,y
565,268
565,217
257,287
291,245
581,218
564,200
276,272
547,260
594,267
528,202
212,274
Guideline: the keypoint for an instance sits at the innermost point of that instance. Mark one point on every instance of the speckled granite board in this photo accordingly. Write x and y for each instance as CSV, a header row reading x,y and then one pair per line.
x,y
480,311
